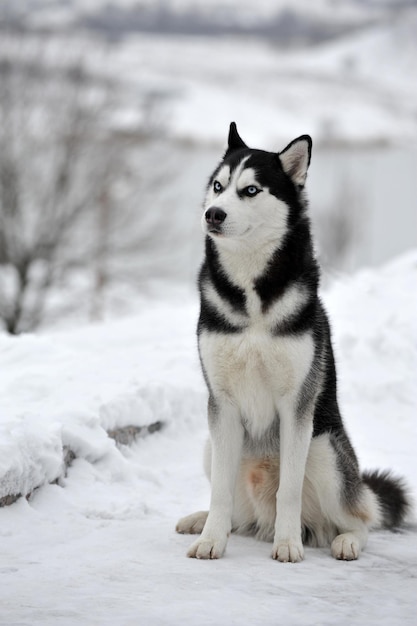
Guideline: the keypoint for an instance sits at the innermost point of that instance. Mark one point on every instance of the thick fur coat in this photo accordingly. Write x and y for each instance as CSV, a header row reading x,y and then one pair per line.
x,y
280,462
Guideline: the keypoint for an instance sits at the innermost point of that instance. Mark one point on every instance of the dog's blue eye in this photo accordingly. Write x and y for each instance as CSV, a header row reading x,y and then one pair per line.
x,y
251,190
217,186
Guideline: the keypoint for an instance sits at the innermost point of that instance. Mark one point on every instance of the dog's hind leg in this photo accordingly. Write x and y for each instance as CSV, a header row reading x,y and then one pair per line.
x,y
347,546
355,524
337,507
192,524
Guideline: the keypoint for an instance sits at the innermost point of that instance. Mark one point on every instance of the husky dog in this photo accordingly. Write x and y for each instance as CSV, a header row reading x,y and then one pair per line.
x,y
281,465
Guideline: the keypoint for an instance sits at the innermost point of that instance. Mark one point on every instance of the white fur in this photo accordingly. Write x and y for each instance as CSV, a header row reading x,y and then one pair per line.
x,y
256,372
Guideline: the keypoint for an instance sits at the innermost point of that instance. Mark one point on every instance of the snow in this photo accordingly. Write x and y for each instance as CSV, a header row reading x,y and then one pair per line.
x,y
99,546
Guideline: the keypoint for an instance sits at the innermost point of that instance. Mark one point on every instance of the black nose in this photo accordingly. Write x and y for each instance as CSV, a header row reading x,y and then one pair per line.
x,y
215,216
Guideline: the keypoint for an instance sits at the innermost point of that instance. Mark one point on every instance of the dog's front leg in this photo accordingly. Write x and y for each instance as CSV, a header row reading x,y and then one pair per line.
x,y
295,437
226,433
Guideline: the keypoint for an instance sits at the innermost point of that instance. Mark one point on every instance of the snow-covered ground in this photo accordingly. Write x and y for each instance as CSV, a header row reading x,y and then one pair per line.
x,y
99,547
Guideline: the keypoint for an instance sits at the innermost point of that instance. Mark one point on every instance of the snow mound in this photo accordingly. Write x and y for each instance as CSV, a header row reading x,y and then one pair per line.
x,y
68,391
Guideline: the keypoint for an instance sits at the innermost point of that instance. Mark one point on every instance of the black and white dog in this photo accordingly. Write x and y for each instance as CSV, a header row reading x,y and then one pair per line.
x,y
281,465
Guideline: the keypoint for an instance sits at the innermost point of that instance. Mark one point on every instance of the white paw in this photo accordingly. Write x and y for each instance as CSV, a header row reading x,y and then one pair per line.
x,y
207,548
290,551
345,547
192,524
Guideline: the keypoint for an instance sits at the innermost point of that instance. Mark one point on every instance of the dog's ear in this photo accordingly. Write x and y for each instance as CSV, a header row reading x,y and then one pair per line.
x,y
234,142
295,159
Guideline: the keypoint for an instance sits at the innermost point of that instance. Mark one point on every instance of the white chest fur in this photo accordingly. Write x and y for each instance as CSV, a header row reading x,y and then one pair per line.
x,y
256,371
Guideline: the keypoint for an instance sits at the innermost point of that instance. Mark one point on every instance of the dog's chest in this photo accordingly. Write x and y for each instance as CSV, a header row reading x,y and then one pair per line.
x,y
255,371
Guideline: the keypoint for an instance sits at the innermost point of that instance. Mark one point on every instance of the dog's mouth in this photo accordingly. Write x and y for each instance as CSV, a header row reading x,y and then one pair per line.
x,y
214,230
217,231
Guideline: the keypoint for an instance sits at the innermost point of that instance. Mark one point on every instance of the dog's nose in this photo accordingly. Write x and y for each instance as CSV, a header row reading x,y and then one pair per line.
x,y
215,216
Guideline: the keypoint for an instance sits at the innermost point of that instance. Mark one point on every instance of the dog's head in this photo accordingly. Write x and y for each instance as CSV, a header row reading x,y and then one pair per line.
x,y
253,195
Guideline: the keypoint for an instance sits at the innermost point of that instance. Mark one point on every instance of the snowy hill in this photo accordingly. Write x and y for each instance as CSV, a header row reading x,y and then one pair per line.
x,y
106,529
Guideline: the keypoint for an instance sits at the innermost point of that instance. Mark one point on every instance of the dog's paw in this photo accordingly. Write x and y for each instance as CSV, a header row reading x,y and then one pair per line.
x,y
207,548
290,551
345,547
192,524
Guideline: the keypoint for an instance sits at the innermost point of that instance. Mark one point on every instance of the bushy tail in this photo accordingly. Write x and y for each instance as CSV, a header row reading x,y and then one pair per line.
x,y
392,494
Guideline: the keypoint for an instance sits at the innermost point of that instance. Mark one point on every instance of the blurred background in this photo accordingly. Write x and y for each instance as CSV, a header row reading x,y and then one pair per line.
x,y
113,115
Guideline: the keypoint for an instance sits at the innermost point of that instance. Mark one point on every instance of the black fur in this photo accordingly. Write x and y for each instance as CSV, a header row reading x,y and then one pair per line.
x,y
293,262
392,494
212,320
235,141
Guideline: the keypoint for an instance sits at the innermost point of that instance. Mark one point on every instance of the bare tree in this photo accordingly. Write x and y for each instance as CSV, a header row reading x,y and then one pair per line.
x,y
51,172
78,191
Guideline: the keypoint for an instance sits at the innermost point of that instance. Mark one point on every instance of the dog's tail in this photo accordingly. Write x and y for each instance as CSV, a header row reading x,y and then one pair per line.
x,y
392,494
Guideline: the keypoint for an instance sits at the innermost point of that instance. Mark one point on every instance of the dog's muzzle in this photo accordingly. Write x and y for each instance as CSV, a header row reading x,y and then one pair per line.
x,y
214,217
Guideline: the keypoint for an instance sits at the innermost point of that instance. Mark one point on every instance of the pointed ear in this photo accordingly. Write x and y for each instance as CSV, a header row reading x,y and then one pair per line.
x,y
295,159
235,142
